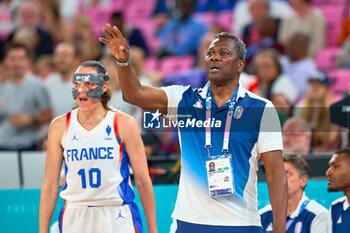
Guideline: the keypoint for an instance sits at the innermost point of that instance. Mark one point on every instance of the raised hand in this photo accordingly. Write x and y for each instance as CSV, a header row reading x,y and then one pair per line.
x,y
116,43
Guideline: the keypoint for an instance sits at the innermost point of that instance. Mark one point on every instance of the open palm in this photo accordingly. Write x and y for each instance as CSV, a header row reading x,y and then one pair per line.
x,y
116,43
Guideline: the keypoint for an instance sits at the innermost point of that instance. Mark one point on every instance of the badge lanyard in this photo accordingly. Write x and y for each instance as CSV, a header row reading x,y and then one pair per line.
x,y
302,207
231,108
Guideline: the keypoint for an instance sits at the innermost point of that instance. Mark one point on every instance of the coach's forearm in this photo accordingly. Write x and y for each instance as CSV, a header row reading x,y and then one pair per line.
x,y
278,199
129,83
276,180
277,184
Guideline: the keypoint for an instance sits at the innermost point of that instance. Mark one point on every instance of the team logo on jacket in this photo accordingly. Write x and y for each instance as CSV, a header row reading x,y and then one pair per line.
x,y
298,227
108,131
238,112
269,227
339,220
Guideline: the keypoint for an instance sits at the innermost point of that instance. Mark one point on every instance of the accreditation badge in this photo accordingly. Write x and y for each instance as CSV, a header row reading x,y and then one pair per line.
x,y
220,178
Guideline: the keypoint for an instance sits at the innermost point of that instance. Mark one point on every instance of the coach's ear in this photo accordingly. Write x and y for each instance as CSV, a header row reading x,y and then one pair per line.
x,y
241,65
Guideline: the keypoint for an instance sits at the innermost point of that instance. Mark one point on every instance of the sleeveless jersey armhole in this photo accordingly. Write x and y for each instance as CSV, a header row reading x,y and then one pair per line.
x,y
116,132
66,128
115,126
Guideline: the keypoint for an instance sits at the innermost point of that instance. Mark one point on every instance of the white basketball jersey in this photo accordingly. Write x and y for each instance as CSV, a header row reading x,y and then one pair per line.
x,y
96,163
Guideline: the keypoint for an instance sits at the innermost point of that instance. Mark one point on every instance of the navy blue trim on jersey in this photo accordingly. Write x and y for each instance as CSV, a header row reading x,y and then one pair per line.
x,y
305,217
340,218
185,227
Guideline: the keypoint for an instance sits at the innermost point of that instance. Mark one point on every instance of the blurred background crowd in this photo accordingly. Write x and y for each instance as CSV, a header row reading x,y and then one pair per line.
x,y
298,56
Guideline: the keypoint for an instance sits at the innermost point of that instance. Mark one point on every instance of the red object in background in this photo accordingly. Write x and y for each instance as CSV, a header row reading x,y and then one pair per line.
x,y
254,85
155,171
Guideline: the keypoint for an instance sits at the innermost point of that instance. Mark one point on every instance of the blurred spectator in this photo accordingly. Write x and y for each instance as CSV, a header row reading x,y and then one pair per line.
x,y
269,77
161,13
345,27
2,45
68,10
258,9
195,77
3,74
283,106
315,110
83,5
248,11
24,102
29,18
132,35
51,20
296,134
182,33
343,59
44,66
308,20
8,10
297,64
99,12
27,37
83,39
267,28
137,63
302,212
59,84
215,5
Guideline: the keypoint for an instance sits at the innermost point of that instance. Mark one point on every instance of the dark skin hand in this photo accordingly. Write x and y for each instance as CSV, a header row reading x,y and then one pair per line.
x,y
120,48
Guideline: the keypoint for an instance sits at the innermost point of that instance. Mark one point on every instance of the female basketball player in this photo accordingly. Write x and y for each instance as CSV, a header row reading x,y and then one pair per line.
x,y
97,144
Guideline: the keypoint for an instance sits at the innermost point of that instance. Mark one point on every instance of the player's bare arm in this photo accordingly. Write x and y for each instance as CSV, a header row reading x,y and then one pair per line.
x,y
50,188
130,136
146,97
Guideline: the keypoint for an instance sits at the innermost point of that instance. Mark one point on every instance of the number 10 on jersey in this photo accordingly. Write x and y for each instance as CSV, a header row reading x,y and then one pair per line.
x,y
94,178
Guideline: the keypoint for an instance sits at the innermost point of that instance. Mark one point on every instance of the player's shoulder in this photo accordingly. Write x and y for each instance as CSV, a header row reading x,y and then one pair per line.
x,y
59,122
127,126
124,118
339,201
176,89
58,126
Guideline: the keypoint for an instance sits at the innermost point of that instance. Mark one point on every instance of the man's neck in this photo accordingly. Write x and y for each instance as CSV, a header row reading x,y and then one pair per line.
x,y
293,202
223,91
17,79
